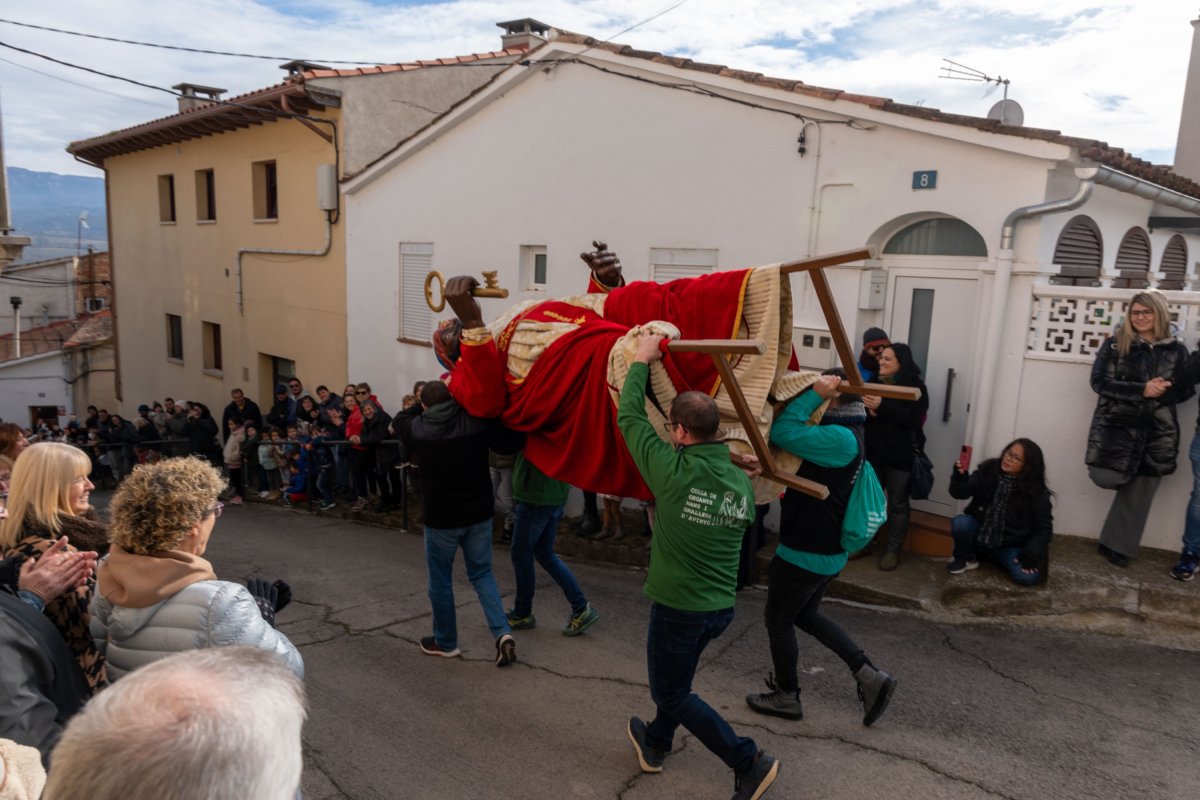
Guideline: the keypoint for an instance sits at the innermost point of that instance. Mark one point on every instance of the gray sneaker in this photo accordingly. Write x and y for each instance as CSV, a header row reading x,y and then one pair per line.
x,y
754,782
875,689
776,702
651,760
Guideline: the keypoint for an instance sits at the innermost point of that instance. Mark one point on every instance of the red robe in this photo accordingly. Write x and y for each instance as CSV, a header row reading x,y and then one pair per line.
x,y
564,405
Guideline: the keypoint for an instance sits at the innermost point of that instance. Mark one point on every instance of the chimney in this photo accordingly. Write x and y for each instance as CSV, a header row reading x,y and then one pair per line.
x,y
522,33
297,67
193,95
1187,146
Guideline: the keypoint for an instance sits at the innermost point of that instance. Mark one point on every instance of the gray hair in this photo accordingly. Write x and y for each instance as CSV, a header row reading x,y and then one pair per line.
x,y
217,722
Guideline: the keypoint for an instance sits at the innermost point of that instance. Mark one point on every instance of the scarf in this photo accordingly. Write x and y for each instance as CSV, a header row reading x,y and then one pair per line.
x,y
991,533
848,412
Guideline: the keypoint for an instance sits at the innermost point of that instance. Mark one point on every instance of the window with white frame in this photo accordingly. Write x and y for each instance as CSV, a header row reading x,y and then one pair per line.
x,y
669,263
416,321
534,274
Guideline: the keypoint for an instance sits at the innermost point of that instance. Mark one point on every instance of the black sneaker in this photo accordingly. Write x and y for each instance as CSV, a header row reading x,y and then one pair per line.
x,y
776,703
430,647
754,782
1185,570
651,760
506,650
958,566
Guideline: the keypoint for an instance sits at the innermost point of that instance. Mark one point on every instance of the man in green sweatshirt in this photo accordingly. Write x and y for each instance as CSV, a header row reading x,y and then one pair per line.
x,y
704,505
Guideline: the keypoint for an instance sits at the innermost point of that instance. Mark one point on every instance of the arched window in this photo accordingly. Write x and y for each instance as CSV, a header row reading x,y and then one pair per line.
x,y
1078,253
1133,261
944,236
1174,264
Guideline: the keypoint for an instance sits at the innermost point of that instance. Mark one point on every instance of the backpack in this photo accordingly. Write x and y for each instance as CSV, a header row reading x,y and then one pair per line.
x,y
865,512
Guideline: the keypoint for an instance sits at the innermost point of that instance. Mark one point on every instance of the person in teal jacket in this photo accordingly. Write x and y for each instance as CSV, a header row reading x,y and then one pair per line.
x,y
704,505
810,553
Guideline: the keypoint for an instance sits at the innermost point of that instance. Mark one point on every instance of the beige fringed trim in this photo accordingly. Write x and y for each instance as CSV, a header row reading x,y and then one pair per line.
x,y
622,355
476,335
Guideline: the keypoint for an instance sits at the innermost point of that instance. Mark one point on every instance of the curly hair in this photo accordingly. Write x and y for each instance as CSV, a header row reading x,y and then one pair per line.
x,y
10,434
158,504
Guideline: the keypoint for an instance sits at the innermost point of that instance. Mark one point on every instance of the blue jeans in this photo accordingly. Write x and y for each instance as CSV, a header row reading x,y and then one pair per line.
x,y
441,544
534,529
964,528
1191,528
673,647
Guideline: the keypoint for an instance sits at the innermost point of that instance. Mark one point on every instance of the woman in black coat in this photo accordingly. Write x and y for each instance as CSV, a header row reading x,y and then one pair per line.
x,y
893,431
382,456
1009,520
202,435
1134,439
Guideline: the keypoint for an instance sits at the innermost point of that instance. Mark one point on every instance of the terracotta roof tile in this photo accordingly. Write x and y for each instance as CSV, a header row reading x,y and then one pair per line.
x,y
381,69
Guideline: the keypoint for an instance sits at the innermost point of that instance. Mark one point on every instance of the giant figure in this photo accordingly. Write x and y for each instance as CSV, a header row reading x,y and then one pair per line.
x,y
553,368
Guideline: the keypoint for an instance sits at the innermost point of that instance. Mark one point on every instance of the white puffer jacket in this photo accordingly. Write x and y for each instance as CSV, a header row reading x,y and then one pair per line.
x,y
203,614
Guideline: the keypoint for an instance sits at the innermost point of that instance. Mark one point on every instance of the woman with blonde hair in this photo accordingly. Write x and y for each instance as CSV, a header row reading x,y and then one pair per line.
x,y
47,499
157,595
1139,374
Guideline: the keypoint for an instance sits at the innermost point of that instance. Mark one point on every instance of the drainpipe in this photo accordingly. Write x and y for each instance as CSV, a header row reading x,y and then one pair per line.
x,y
994,339
276,252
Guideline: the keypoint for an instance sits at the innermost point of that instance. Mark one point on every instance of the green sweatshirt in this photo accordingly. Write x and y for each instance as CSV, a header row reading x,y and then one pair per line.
x,y
532,486
704,505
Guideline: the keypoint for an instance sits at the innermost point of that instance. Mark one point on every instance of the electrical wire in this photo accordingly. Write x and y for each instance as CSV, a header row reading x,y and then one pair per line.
x,y
632,27
85,86
200,50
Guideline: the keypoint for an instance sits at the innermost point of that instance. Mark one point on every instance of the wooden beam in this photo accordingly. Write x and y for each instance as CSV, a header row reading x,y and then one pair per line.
x,y
836,330
747,347
881,390
831,260
757,442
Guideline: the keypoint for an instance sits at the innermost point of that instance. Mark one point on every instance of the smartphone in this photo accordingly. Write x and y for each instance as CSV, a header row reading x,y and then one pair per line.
x,y
964,458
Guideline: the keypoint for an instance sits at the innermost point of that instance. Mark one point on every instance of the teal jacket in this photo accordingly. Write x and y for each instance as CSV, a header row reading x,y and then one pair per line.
x,y
703,505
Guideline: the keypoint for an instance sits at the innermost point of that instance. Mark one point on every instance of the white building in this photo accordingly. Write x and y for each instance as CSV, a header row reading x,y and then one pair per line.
x,y
683,167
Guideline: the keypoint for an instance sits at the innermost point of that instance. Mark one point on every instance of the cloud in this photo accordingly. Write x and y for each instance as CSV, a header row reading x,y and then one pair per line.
x,y
1111,71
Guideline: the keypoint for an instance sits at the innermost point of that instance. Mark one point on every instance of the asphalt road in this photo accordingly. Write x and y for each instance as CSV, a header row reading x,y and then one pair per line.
x,y
980,711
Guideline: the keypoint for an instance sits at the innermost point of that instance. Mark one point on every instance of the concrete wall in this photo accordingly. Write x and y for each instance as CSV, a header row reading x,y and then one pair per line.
x,y
46,292
34,381
295,306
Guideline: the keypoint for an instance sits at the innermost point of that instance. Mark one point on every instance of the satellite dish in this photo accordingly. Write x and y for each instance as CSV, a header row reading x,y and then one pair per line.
x,y
1007,112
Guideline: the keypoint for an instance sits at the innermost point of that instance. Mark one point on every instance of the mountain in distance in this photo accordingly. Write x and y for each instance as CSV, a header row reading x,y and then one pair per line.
x,y
46,207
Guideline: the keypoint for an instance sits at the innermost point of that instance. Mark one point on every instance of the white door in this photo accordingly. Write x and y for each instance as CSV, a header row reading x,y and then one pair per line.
x,y
937,318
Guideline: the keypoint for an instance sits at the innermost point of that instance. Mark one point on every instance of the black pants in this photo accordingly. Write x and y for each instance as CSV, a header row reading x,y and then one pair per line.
x,y
794,601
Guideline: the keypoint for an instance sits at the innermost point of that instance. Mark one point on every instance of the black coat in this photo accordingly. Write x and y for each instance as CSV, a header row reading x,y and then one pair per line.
x,y
202,438
1028,521
895,429
278,415
250,413
1132,434
374,432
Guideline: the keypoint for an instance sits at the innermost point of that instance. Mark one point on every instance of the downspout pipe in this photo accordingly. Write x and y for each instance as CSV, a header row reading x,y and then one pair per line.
x,y
324,251
994,339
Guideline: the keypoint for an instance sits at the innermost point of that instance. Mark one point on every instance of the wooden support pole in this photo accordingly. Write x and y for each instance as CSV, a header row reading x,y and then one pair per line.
x,y
836,330
741,347
831,260
881,390
757,442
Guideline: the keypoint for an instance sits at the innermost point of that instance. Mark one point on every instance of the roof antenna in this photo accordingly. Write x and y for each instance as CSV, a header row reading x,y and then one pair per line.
x,y
1006,112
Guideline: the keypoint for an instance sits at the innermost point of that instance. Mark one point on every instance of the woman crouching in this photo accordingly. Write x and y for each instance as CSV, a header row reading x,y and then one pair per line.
x,y
155,594
1009,520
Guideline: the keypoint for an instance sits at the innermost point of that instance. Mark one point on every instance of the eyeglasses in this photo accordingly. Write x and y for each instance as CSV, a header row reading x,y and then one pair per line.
x,y
360,391
294,385
876,348
669,427
215,511
1143,313
1012,456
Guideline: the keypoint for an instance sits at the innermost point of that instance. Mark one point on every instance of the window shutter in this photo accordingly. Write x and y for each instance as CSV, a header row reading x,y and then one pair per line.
x,y
667,264
416,261
1133,261
1078,253
1174,264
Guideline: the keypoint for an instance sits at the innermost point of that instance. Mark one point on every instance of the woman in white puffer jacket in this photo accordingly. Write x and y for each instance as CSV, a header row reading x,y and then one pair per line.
x,y
155,594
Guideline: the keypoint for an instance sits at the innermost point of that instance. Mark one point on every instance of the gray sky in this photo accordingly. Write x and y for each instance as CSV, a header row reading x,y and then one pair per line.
x,y
1094,68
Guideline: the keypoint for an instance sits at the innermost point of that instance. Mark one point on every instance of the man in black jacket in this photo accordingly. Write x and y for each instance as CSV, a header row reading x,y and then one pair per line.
x,y
451,449
240,406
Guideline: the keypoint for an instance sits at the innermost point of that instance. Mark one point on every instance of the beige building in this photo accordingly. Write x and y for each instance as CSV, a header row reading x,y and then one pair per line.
x,y
225,221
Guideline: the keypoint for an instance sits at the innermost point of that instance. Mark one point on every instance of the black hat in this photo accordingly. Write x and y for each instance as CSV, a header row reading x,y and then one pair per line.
x,y
875,336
